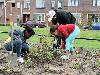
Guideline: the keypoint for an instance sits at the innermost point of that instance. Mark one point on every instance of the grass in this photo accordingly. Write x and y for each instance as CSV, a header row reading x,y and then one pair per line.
x,y
77,43
4,36
88,43
90,33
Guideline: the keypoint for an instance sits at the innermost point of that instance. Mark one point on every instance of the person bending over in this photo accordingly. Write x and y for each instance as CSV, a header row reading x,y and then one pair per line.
x,y
20,45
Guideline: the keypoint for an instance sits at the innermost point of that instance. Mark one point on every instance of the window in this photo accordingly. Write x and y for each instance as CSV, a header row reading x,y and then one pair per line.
x,y
59,4
40,4
43,17
96,2
78,17
73,2
13,4
39,17
27,4
93,17
52,4
18,4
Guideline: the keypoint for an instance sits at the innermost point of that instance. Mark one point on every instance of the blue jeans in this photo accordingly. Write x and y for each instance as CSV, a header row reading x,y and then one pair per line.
x,y
18,47
71,38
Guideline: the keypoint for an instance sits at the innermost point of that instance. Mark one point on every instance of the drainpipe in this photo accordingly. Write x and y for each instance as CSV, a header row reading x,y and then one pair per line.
x,y
5,22
21,11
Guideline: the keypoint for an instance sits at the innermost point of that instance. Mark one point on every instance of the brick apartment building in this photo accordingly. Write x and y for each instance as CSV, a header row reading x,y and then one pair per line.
x,y
84,10
37,10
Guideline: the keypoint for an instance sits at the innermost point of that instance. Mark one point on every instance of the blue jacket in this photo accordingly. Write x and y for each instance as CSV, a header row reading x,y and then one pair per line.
x,y
17,34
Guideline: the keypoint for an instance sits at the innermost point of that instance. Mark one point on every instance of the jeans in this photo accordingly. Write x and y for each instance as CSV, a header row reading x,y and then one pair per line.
x,y
71,38
18,47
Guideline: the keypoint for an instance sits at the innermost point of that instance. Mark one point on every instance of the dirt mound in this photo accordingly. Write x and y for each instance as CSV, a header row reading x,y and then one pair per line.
x,y
87,62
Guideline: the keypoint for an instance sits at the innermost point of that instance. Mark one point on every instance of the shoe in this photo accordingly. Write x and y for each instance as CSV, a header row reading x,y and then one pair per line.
x,y
59,52
71,52
10,52
64,57
20,60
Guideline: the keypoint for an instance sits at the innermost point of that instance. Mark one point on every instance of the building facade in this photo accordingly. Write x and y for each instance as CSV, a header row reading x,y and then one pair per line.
x,y
37,10
84,10
1,11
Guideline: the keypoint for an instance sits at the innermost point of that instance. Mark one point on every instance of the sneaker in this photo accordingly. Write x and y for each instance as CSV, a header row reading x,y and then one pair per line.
x,y
10,52
64,57
20,59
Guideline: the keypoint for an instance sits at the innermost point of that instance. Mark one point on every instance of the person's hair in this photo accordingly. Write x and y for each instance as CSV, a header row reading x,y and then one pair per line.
x,y
54,21
63,17
29,30
53,28
55,10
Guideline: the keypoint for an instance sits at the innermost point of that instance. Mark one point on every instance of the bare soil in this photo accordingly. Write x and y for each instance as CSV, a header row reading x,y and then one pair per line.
x,y
87,62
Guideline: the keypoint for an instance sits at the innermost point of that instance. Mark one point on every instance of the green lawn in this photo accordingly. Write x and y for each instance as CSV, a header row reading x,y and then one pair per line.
x,y
45,31
88,43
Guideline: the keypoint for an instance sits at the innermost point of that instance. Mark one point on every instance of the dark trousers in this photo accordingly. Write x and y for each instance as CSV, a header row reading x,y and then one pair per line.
x,y
56,46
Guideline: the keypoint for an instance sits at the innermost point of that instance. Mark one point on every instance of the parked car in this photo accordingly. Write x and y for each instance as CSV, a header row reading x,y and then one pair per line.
x,y
96,26
85,26
34,24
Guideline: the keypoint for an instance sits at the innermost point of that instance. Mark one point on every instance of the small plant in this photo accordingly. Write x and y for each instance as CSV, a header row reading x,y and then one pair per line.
x,y
97,63
42,50
76,65
9,71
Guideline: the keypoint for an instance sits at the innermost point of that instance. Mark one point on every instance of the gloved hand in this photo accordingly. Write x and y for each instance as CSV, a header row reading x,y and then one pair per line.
x,y
55,42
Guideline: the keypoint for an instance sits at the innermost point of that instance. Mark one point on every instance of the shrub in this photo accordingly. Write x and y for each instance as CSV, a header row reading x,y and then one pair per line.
x,y
4,25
